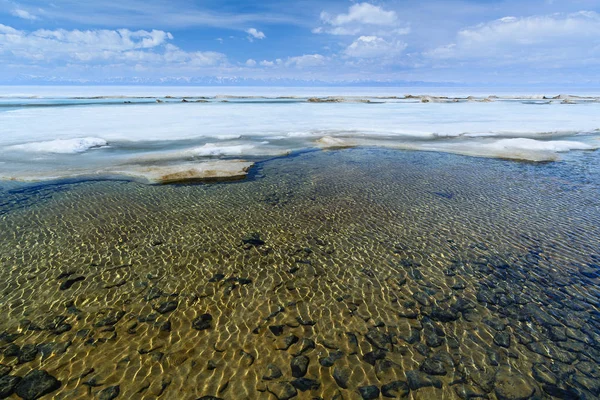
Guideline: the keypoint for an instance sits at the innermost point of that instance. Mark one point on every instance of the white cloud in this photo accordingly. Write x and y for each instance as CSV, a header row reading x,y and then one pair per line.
x,y
123,45
362,13
373,47
255,34
307,60
250,63
563,38
17,12
362,18
265,63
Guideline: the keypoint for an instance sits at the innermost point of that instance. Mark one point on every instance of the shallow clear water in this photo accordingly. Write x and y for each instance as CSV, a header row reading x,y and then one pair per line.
x,y
438,275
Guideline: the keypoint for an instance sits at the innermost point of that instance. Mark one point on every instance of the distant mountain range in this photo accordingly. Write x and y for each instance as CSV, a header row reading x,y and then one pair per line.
x,y
214,81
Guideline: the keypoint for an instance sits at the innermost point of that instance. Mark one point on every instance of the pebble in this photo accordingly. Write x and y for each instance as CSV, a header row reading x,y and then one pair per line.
x,y
417,380
511,385
36,384
273,372
202,322
502,339
110,393
299,366
305,384
341,377
396,389
166,307
369,392
8,384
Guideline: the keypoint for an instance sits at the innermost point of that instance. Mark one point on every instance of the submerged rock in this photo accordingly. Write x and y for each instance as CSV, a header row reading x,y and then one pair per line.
x,y
273,372
299,366
36,384
305,384
8,384
369,392
511,385
110,393
341,377
202,322
396,389
417,380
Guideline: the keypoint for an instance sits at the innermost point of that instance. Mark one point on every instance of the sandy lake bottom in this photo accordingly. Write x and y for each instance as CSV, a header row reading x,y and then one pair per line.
x,y
350,274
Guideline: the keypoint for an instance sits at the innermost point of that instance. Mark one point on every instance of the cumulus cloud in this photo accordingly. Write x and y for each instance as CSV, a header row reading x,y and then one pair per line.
x,y
374,47
362,18
363,13
306,60
250,63
266,63
123,45
17,12
569,38
255,34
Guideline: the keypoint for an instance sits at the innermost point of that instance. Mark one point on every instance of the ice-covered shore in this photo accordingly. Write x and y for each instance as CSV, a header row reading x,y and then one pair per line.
x,y
219,136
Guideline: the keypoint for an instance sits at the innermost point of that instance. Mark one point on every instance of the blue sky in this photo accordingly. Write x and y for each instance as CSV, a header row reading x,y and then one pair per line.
x,y
461,41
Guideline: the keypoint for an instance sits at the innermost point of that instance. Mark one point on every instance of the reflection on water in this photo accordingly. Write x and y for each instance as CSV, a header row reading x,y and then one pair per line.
x,y
337,275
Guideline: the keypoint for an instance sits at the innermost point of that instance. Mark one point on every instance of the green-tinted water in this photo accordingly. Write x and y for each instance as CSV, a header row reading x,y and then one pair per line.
x,y
433,276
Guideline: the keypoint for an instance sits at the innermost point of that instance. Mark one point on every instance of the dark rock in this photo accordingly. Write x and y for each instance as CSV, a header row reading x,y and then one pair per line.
x,y
5,370
12,350
8,384
469,392
433,367
202,322
36,384
549,350
166,307
372,356
110,318
276,330
396,389
422,299
444,314
165,326
341,377
287,342
304,384
584,382
431,337
568,393
282,390
253,239
244,281
379,339
153,294
209,398
211,365
299,366
273,372
511,385
306,345
495,324
418,379
28,353
502,339
70,282
305,322
110,393
369,392
330,359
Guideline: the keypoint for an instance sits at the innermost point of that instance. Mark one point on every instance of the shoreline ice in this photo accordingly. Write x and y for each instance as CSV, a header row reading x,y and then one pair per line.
x,y
107,138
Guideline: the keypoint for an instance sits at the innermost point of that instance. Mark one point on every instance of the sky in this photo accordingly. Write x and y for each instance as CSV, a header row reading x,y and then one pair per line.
x,y
468,42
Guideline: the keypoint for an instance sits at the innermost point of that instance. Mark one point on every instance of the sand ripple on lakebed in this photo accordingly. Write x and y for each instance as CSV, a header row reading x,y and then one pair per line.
x,y
327,275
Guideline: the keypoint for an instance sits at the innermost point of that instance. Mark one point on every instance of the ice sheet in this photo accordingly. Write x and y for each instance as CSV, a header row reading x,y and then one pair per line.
x,y
65,138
